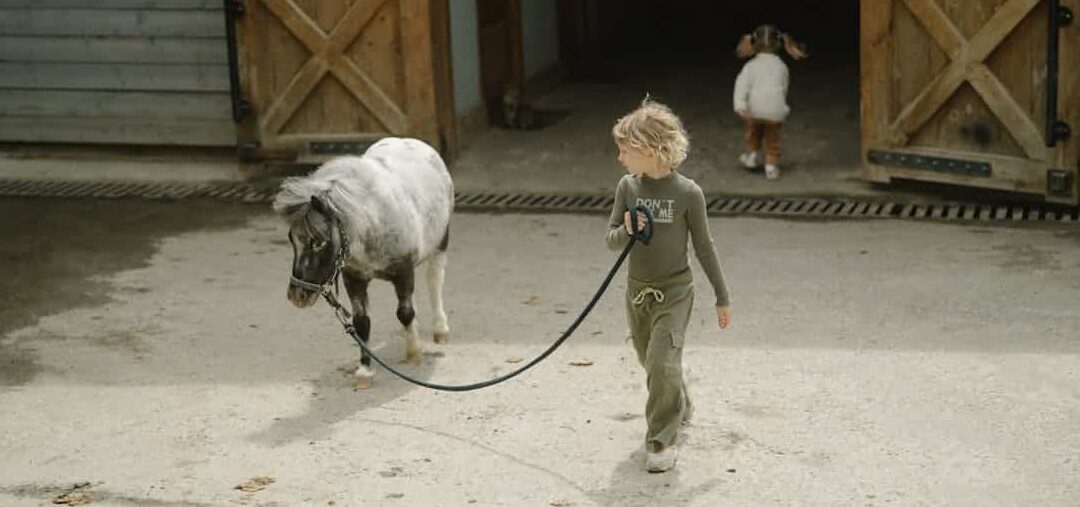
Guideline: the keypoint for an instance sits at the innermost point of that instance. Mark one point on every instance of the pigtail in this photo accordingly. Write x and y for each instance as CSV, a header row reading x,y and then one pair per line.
x,y
793,48
745,48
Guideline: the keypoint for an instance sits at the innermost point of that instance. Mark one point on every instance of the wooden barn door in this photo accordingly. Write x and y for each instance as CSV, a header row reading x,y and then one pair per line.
x,y
972,93
327,77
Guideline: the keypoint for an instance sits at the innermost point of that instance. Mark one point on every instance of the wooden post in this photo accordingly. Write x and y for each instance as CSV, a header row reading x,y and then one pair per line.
x,y
875,55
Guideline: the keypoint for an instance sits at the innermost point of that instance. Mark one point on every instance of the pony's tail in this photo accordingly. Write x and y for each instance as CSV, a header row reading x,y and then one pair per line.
x,y
745,48
793,48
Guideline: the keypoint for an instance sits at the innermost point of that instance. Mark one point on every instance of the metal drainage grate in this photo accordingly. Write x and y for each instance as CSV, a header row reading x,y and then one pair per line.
x,y
784,207
600,204
230,191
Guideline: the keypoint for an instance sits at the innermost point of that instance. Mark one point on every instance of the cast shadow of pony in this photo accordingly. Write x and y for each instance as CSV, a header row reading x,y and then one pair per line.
x,y
334,398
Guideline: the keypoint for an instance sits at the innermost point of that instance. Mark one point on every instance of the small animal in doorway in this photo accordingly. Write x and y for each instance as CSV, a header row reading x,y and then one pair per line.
x,y
377,216
516,112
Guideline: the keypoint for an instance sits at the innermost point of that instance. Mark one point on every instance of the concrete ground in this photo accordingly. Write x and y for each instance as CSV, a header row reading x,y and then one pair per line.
x,y
148,353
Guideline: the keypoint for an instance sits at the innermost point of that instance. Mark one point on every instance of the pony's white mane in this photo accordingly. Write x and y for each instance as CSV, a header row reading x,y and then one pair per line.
x,y
343,184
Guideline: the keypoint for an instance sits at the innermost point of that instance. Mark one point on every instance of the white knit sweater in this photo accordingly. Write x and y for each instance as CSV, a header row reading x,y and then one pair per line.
x,y
761,88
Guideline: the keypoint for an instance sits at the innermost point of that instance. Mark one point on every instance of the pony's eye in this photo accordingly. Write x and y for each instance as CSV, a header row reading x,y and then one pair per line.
x,y
317,245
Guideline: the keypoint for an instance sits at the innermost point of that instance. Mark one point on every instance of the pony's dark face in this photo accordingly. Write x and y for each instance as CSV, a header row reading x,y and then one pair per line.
x,y
316,244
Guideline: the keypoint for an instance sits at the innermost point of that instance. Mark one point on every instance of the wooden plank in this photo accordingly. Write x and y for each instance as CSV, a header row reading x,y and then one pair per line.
x,y
419,69
247,128
938,25
1004,20
1020,64
919,111
875,56
444,80
311,113
114,50
300,24
281,57
363,86
142,105
347,30
275,116
118,130
330,107
113,23
1011,113
113,4
378,53
1009,173
119,77
372,97
945,128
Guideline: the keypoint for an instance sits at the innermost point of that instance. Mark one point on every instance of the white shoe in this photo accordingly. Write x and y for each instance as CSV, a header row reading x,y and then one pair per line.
x,y
772,172
749,159
657,462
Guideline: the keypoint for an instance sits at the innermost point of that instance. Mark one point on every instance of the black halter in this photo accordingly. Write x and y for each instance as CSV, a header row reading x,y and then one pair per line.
x,y
339,260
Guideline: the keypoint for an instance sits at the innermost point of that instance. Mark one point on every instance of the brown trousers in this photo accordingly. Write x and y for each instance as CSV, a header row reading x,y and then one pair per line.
x,y
759,132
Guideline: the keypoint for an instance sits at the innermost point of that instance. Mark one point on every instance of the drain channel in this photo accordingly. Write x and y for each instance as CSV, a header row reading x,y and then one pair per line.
x,y
512,202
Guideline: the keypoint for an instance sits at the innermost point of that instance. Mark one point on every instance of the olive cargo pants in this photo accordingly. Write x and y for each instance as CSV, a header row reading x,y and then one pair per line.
x,y
658,313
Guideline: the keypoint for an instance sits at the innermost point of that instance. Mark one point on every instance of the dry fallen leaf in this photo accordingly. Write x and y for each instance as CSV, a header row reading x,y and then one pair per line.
x,y
514,359
581,362
255,484
533,300
73,498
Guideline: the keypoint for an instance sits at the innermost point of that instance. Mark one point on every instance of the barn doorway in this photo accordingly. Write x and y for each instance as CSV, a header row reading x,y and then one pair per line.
x,y
681,52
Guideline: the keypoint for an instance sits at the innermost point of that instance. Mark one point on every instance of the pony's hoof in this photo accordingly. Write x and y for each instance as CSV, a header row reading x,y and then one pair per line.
x,y
440,337
364,377
413,357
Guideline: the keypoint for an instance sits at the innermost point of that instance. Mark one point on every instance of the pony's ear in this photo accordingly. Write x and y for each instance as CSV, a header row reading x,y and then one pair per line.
x,y
319,204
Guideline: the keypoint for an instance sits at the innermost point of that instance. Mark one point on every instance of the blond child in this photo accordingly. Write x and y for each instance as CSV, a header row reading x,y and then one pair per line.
x,y
660,292
761,94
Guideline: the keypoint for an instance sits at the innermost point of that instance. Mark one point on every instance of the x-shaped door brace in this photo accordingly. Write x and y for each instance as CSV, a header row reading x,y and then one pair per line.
x,y
966,64
327,55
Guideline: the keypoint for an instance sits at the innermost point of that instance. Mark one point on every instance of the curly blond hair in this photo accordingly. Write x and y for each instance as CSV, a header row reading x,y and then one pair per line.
x,y
654,126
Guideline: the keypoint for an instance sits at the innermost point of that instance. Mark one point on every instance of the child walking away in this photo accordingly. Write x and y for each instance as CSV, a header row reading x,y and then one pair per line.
x,y
660,291
761,94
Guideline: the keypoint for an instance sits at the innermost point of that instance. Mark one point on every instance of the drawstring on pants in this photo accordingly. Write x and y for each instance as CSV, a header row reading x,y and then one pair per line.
x,y
657,295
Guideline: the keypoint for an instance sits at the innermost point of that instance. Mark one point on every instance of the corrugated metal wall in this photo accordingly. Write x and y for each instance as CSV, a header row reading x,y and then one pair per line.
x,y
114,71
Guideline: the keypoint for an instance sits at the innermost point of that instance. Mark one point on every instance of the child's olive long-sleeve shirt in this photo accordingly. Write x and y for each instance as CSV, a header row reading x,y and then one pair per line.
x,y
678,208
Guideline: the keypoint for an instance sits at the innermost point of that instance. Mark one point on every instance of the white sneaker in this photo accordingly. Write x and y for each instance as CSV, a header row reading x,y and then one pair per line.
x,y
772,172
657,462
749,159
